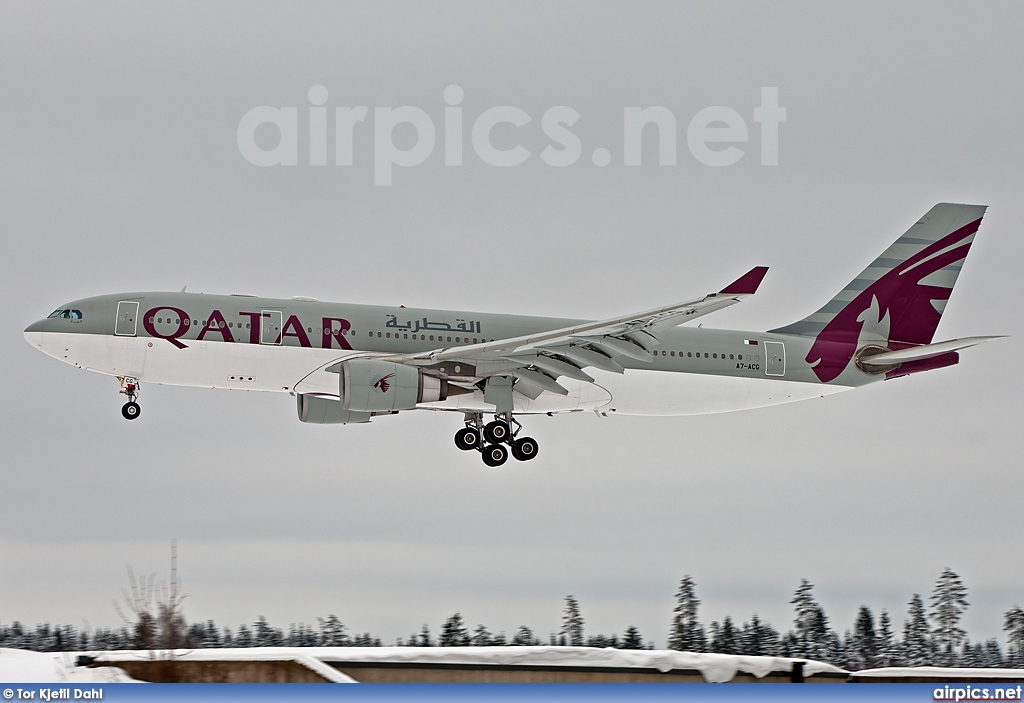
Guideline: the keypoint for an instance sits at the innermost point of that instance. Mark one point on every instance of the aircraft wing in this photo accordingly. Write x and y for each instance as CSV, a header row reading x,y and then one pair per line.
x,y
539,359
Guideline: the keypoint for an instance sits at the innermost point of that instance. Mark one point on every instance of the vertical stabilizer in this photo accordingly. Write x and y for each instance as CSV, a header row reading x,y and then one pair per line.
x,y
897,301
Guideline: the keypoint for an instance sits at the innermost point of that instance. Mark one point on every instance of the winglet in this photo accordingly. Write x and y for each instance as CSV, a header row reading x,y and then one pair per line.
x,y
747,283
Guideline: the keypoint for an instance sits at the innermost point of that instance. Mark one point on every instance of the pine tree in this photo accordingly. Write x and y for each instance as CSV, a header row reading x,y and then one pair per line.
x,y
724,639
759,639
631,639
332,632
454,633
211,636
806,608
424,638
524,637
992,656
572,622
266,636
686,633
888,651
865,640
917,649
481,637
948,603
1013,625
244,637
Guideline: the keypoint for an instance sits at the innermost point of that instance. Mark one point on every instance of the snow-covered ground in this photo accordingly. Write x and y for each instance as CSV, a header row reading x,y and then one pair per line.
x,y
20,666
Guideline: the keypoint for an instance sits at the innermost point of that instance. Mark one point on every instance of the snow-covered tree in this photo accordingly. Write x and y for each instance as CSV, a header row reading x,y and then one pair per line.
x,y
481,637
1013,625
917,645
888,648
865,640
631,639
806,609
686,633
524,637
210,637
724,637
454,633
266,636
992,656
424,639
948,603
812,636
244,637
332,632
572,622
604,641
758,638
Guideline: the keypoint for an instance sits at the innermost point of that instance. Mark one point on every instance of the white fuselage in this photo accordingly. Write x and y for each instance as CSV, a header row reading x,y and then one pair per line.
x,y
695,371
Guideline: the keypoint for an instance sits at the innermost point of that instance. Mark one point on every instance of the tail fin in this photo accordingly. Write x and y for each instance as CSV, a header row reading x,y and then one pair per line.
x,y
897,301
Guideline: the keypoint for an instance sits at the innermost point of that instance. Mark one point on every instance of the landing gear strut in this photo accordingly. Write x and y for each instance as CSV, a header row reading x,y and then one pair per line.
x,y
488,439
130,388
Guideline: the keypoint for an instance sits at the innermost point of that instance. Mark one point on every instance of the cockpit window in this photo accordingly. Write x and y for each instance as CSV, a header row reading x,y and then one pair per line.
x,y
66,314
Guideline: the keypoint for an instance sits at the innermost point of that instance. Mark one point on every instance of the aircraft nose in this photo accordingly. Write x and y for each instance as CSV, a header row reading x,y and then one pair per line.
x,y
34,334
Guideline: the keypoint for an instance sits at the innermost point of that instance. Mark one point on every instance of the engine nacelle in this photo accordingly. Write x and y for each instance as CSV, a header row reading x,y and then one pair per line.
x,y
374,386
325,411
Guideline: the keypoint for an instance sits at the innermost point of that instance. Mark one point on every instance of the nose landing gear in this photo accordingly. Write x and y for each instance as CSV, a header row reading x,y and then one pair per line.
x,y
130,388
488,439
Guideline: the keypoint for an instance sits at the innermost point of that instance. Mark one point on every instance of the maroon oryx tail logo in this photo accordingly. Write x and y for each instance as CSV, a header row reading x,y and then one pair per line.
x,y
382,384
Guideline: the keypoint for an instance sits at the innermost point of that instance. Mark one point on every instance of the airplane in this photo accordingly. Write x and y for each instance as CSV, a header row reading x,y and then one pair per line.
x,y
351,363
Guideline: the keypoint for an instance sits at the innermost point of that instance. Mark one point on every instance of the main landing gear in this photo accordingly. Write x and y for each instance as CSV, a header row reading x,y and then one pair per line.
x,y
489,439
130,388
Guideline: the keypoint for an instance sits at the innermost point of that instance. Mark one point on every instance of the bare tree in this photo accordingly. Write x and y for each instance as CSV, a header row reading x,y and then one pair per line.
x,y
154,613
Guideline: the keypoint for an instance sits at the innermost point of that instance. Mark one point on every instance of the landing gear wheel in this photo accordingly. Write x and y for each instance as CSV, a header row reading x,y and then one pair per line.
x,y
131,410
467,438
495,455
496,432
524,448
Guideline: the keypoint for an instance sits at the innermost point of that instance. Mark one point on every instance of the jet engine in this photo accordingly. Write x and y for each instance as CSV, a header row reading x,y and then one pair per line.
x,y
374,386
326,411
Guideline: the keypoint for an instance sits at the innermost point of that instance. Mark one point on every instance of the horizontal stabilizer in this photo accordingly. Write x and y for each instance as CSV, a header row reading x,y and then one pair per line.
x,y
926,351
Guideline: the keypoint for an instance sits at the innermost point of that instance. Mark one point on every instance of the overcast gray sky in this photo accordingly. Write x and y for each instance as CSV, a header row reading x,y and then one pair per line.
x,y
119,170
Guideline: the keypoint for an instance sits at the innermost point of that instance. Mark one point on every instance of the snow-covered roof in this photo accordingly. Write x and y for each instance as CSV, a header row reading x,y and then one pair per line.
x,y
713,667
20,666
939,672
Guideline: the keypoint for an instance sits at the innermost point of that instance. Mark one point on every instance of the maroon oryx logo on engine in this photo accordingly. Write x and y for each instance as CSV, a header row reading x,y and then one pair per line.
x,y
382,384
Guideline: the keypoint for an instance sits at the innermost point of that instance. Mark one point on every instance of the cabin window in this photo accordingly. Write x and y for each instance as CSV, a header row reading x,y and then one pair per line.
x,y
449,339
